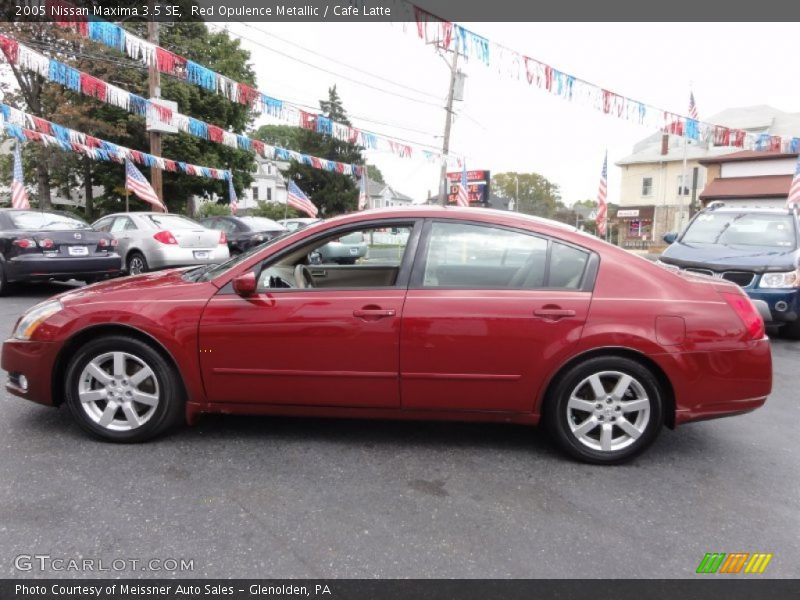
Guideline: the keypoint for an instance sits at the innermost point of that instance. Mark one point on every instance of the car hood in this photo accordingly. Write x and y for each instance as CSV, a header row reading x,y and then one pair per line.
x,y
719,257
133,286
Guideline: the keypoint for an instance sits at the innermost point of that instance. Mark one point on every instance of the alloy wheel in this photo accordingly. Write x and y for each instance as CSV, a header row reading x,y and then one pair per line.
x,y
608,411
118,391
136,266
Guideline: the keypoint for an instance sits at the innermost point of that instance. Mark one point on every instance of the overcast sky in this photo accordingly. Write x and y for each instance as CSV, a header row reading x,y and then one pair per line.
x,y
507,125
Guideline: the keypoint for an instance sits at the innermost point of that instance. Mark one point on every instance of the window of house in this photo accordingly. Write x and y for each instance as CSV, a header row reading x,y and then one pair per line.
x,y
255,193
269,193
647,186
684,189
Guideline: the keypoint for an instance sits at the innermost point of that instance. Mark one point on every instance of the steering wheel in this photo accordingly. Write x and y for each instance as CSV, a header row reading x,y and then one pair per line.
x,y
302,277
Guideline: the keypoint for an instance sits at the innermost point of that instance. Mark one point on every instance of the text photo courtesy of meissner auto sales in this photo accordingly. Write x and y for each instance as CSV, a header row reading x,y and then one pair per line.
x,y
398,299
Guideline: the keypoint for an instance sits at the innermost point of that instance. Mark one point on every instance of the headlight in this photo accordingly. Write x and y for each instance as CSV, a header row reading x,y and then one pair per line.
x,y
31,320
787,279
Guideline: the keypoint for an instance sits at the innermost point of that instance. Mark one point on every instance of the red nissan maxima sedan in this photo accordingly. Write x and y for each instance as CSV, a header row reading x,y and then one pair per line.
x,y
460,314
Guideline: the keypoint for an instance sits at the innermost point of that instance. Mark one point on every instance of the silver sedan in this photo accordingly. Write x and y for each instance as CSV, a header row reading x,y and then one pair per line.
x,y
151,240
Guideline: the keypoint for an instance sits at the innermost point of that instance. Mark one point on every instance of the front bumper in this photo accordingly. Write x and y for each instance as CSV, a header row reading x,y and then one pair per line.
x,y
783,306
33,267
166,257
34,360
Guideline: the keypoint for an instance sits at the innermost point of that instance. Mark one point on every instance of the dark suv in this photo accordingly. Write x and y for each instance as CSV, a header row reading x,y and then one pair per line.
x,y
756,248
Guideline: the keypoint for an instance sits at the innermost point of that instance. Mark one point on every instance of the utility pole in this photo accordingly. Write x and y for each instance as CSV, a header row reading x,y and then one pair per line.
x,y
447,123
154,85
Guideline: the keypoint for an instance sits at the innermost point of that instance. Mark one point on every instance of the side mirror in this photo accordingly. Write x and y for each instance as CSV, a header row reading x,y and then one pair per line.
x,y
670,237
245,285
315,258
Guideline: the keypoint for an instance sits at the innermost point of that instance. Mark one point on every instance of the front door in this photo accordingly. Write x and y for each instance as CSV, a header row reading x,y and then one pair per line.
x,y
489,314
333,343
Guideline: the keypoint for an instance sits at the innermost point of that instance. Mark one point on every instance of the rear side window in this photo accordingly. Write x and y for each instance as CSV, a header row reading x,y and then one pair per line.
x,y
466,256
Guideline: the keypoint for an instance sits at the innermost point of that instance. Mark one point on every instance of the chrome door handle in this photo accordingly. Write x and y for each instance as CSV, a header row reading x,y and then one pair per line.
x,y
375,313
554,313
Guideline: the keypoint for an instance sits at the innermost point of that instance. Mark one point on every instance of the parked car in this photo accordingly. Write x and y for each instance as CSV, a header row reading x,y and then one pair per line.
x,y
295,224
244,232
345,250
601,346
42,245
756,248
154,240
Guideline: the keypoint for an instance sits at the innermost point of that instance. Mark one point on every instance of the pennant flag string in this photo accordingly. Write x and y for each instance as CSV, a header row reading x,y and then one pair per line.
x,y
111,94
25,127
169,63
514,65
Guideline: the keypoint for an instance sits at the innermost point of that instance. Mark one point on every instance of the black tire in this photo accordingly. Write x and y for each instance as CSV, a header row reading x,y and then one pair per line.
x,y
163,384
790,331
136,262
565,421
4,285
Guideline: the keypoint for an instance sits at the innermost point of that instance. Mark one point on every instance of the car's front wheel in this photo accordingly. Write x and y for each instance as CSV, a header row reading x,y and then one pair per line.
x,y
606,410
121,389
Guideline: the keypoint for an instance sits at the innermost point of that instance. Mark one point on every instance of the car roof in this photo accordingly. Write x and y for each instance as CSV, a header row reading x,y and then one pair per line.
x,y
749,209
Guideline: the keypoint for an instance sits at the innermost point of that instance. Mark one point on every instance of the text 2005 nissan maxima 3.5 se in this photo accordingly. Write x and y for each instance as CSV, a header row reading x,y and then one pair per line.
x,y
456,314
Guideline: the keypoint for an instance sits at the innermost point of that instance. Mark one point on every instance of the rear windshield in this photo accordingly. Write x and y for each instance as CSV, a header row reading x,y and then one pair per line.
x,y
742,229
46,221
173,222
262,224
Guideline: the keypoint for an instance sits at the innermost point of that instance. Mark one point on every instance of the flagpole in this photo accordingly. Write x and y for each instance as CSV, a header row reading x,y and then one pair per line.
x,y
286,203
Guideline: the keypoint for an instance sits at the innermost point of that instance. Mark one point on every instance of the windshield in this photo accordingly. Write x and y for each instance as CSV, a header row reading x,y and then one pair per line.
x,y
173,222
46,221
742,229
209,272
262,224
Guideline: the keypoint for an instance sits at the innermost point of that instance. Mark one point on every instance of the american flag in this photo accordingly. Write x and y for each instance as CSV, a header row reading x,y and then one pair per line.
x,y
462,199
602,204
297,199
794,189
232,194
692,106
19,196
362,190
135,182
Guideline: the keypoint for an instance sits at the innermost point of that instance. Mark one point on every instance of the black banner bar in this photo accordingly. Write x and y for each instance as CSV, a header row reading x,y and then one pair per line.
x,y
712,588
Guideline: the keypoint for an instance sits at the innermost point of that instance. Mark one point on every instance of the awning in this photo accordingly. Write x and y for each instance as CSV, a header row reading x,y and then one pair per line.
x,y
763,186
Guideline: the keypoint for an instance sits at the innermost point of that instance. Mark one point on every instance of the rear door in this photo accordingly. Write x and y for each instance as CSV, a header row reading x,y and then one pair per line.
x,y
489,313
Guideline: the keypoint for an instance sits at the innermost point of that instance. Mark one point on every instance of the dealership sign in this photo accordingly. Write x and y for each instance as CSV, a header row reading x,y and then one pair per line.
x,y
477,187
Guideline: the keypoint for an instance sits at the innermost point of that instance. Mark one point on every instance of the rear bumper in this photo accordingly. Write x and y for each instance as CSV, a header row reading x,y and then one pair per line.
x,y
29,268
167,257
34,360
783,305
708,385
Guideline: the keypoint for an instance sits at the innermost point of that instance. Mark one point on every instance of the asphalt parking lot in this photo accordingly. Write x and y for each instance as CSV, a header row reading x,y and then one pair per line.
x,y
273,497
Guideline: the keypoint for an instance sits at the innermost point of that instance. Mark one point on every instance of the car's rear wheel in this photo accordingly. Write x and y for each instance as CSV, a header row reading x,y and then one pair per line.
x,y
606,410
137,263
121,389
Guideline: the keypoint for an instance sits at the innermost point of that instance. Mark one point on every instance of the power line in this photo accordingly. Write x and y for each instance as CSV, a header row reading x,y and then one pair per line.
x,y
329,72
333,60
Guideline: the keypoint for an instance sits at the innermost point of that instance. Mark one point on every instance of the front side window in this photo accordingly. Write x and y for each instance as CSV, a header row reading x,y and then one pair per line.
x,y
362,258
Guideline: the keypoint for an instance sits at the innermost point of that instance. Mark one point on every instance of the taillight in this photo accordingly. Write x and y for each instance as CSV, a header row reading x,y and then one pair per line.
x,y
103,243
746,311
165,237
223,239
114,243
46,243
25,243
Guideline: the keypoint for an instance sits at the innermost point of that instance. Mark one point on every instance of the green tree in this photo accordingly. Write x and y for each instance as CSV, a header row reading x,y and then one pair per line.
x,y
374,174
194,41
332,192
537,195
275,211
